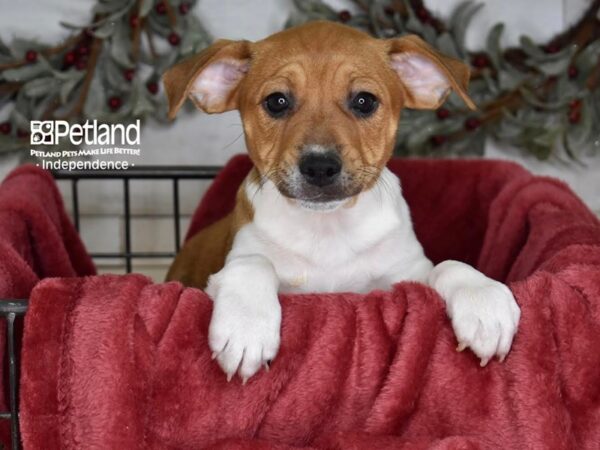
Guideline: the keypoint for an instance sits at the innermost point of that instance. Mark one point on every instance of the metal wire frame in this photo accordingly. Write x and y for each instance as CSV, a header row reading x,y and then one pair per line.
x,y
10,309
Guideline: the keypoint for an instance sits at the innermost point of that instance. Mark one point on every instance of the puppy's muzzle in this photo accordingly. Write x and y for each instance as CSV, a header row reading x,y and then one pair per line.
x,y
320,169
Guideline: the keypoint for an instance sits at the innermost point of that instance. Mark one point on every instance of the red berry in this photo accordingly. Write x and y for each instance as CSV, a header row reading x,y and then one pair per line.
x,y
574,116
174,39
574,104
161,8
573,72
423,14
5,128
69,58
22,134
472,123
184,8
438,139
480,61
83,50
134,21
31,56
129,74
114,103
152,87
442,113
553,47
344,15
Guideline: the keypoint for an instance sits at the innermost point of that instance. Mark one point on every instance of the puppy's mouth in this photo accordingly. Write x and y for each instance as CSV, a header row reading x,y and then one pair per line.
x,y
319,198
322,180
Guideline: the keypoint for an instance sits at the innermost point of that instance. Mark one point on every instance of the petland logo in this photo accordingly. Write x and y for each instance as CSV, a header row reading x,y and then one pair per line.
x,y
50,132
91,146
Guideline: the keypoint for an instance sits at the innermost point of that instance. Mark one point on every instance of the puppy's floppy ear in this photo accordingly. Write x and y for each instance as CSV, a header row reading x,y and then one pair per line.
x,y
427,76
210,78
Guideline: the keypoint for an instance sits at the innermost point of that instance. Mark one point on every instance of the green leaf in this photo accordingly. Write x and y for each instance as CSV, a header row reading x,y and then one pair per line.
x,y
194,37
429,34
113,74
532,99
164,62
445,44
493,45
509,79
20,118
414,25
146,7
538,55
492,87
399,23
120,46
459,22
141,103
106,30
553,66
531,49
44,104
72,26
25,73
96,99
158,26
40,87
587,59
107,7
68,75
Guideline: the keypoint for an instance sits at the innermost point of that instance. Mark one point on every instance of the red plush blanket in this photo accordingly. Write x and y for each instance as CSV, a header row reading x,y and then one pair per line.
x,y
37,240
119,362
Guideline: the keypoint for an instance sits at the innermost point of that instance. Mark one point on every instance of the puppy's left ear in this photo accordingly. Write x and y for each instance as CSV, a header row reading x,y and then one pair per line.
x,y
427,75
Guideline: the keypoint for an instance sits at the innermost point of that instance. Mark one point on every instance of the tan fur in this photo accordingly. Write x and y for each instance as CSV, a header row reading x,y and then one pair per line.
x,y
320,63
205,253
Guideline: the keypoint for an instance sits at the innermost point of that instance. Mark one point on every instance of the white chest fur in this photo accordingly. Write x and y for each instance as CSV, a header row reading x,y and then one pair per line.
x,y
357,248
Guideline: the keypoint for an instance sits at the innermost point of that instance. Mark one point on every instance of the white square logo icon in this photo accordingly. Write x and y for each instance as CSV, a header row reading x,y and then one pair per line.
x,y
42,132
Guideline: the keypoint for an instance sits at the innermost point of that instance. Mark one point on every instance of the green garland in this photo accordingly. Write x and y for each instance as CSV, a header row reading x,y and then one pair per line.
x,y
543,99
107,70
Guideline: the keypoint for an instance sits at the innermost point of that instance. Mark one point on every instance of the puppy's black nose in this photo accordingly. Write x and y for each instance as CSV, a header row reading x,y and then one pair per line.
x,y
320,169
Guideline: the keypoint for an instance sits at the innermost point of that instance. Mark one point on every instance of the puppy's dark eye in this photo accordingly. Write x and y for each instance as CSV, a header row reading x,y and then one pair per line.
x,y
277,104
363,104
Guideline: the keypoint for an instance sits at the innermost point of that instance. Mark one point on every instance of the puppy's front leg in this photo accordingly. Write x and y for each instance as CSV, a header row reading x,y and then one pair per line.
x,y
483,311
244,328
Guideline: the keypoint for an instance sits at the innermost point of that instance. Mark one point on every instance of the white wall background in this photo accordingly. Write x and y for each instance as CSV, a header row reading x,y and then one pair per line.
x,y
205,139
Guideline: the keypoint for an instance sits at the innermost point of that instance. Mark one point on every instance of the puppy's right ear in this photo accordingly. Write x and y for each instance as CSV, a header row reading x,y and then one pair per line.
x,y
210,78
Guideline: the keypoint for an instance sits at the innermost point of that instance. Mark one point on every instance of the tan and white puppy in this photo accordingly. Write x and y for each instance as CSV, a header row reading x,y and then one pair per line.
x,y
320,212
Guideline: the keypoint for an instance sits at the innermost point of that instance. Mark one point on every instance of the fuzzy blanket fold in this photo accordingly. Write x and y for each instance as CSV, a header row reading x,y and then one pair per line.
x,y
37,239
120,362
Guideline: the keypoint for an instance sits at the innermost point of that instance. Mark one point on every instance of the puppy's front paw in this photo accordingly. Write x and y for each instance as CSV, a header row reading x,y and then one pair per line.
x,y
484,318
244,332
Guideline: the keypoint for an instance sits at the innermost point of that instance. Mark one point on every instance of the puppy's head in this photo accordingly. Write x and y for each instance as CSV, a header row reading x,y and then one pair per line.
x,y
320,103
